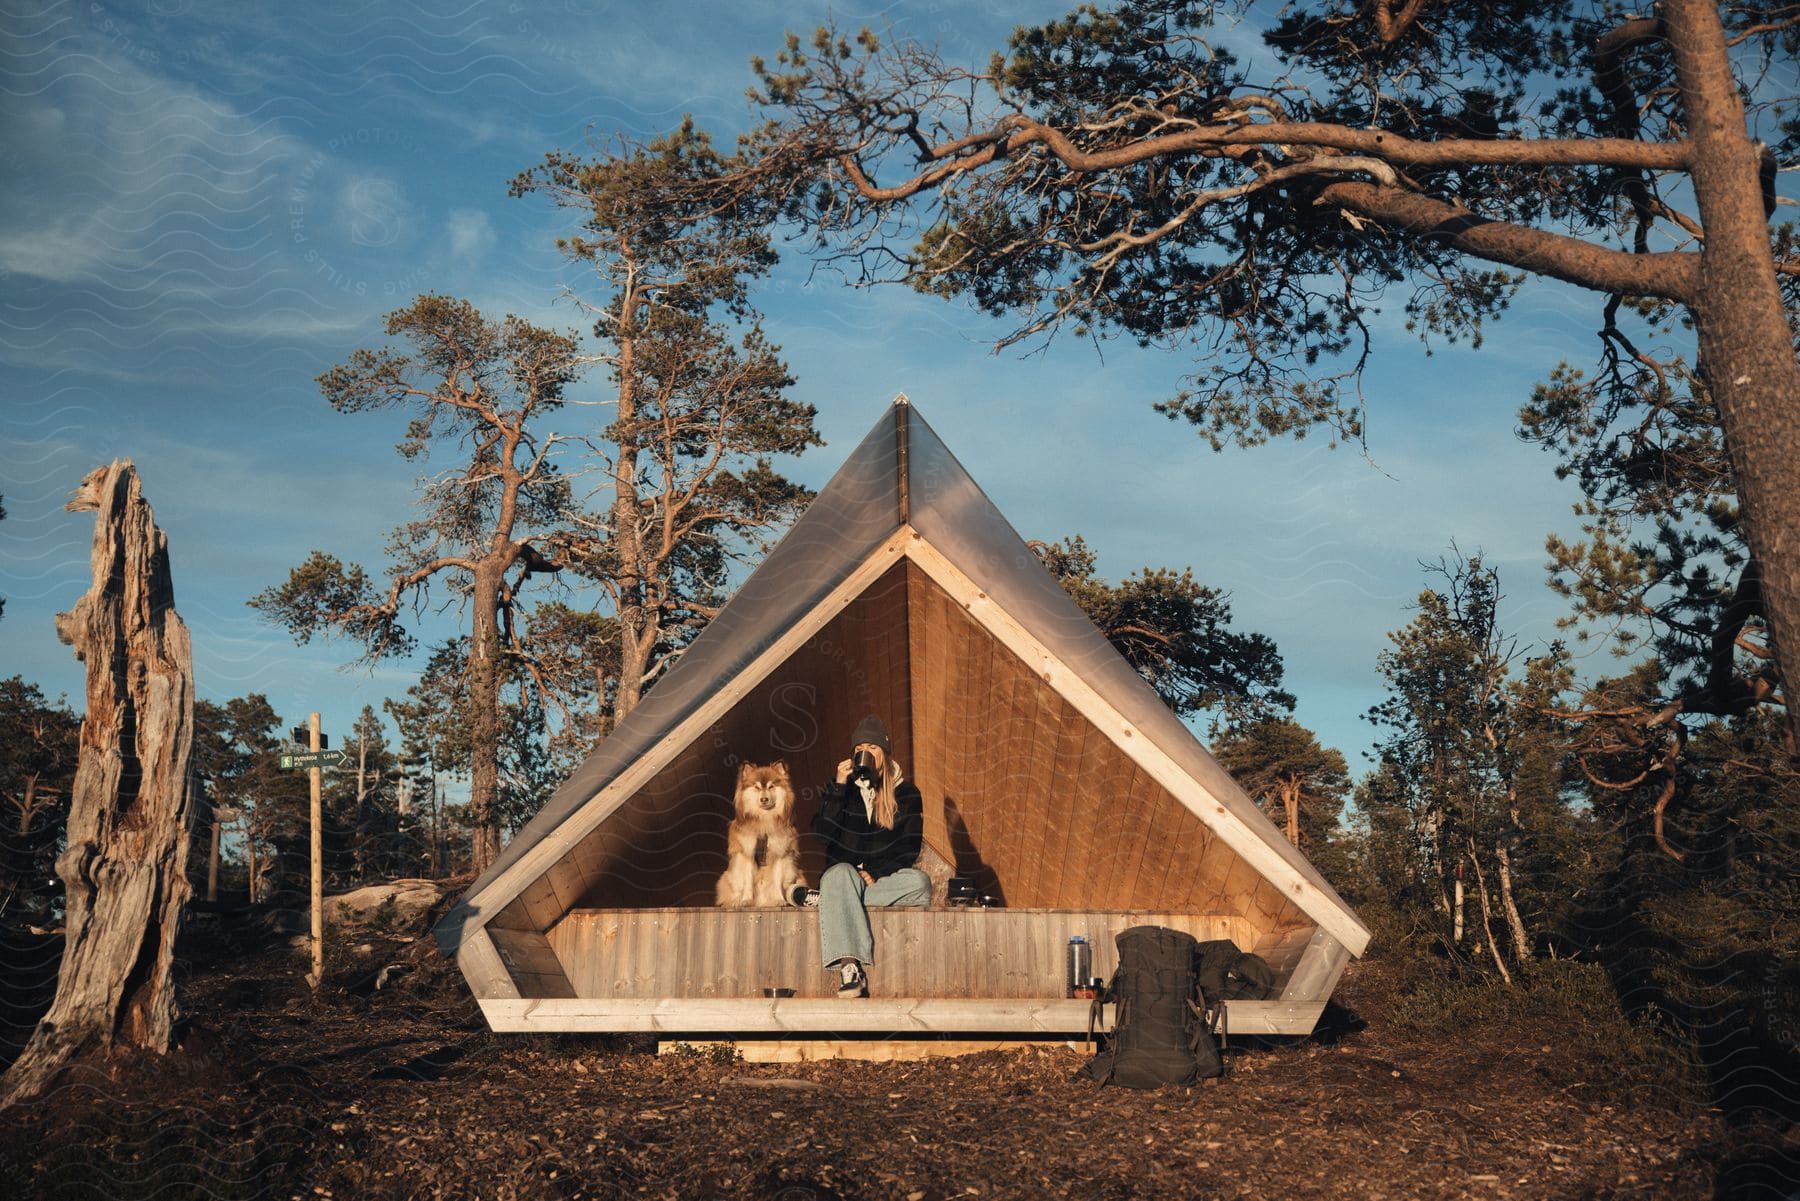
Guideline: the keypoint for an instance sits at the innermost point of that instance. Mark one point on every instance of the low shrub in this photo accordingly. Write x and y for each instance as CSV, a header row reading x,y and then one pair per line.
x,y
1565,1006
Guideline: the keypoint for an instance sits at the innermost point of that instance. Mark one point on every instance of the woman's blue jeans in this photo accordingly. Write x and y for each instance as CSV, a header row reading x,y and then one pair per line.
x,y
843,908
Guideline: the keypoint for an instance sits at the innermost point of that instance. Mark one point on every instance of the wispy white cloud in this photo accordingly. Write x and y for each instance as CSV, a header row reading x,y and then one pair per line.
x,y
471,233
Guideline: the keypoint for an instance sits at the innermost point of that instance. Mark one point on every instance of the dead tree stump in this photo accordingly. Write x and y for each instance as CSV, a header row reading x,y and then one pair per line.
x,y
125,869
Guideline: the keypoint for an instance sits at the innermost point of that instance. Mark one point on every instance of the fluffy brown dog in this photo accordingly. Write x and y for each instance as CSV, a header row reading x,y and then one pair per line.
x,y
763,855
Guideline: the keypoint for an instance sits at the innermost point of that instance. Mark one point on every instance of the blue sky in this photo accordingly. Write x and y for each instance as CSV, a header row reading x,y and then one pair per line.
x,y
202,206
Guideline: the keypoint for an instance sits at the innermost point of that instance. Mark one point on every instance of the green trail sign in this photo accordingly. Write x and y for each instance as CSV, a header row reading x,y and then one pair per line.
x,y
301,759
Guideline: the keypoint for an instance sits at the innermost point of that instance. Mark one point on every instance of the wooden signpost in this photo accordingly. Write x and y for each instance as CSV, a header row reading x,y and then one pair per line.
x,y
317,975
220,819
315,760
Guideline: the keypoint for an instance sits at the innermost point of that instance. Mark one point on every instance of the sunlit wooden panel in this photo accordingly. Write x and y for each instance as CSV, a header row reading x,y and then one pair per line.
x,y
665,845
1021,793
696,952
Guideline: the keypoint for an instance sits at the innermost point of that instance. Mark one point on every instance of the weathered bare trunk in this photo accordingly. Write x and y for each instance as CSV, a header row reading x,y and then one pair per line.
x,y
1515,925
359,853
125,867
1290,801
484,721
1746,351
28,805
1487,923
1456,914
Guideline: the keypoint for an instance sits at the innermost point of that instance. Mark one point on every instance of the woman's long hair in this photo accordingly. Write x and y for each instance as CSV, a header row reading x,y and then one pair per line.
x,y
887,804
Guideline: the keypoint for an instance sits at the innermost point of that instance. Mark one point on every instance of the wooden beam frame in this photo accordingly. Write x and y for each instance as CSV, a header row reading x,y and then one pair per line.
x,y
482,968
1230,828
1294,1019
893,1016
1317,973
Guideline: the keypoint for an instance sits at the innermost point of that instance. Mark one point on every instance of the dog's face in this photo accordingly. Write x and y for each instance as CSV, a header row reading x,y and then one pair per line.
x,y
764,791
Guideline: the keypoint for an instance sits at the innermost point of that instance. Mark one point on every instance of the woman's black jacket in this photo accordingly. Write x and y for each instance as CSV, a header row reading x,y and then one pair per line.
x,y
851,837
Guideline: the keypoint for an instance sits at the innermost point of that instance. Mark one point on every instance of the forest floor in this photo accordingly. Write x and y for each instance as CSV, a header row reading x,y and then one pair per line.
x,y
402,1092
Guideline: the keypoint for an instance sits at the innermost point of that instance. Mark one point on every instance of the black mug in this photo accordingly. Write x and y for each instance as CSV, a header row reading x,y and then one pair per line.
x,y
862,767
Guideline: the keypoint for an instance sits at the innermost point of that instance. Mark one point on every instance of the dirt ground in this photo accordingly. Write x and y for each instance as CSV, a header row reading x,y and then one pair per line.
x,y
402,1092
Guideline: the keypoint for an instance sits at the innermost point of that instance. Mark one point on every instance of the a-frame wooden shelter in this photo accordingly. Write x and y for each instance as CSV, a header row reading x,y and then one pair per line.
x,y
1051,772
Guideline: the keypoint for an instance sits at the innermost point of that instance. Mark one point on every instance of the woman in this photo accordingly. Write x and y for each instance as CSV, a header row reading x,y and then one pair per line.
x,y
871,825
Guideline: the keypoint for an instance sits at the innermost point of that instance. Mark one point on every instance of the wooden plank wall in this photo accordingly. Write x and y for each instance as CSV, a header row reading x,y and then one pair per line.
x,y
535,968
666,845
1043,809
691,952
1021,792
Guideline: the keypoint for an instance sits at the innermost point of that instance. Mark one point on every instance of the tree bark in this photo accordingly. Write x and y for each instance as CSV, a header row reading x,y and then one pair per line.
x,y
1290,801
627,532
484,720
1746,350
1456,917
437,836
250,853
1487,924
1669,274
125,866
1514,923
1440,897
28,805
212,865
359,852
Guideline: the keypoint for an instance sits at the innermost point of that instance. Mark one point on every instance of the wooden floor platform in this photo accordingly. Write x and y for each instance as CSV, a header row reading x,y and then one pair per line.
x,y
984,973
891,1016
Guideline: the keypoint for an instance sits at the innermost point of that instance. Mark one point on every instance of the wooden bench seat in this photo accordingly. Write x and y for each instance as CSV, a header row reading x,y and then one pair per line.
x,y
949,954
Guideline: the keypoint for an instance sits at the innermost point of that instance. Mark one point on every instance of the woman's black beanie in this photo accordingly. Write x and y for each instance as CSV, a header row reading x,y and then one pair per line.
x,y
870,730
